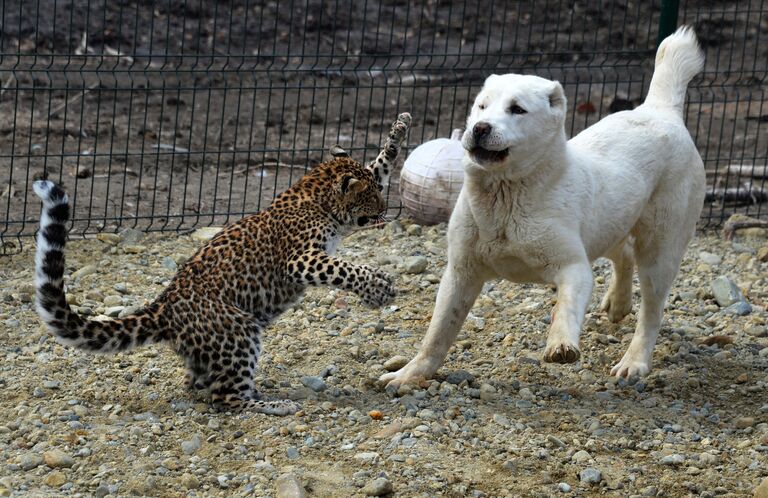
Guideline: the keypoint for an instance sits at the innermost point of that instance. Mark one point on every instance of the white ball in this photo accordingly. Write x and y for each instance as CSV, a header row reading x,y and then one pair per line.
x,y
431,179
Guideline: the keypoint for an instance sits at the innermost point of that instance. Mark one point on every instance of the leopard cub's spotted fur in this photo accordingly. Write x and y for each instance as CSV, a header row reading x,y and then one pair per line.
x,y
215,308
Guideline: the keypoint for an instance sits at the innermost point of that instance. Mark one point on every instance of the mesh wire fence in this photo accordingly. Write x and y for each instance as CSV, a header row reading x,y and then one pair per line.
x,y
167,115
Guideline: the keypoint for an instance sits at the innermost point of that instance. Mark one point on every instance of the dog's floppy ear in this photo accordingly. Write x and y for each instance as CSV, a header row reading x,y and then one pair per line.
x,y
557,96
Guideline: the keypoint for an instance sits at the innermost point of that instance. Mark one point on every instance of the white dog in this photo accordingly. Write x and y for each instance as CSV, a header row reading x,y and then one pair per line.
x,y
536,207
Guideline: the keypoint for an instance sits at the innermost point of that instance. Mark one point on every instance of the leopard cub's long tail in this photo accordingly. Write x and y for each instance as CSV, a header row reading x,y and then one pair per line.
x,y
51,303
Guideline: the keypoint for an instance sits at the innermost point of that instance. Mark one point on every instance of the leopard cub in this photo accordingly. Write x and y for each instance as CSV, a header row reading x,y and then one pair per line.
x,y
215,308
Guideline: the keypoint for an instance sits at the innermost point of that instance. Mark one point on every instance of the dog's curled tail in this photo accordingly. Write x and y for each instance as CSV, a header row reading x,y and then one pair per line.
x,y
678,59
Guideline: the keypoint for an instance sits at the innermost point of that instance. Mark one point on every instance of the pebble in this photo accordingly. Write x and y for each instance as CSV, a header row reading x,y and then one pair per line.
x,y
114,311
726,291
113,300
84,271
205,234
744,422
378,487
581,457
56,459
30,461
415,264
414,230
314,382
740,308
289,486
710,258
395,363
109,238
169,263
564,487
761,491
55,479
673,459
590,476
189,481
191,446
131,236
459,376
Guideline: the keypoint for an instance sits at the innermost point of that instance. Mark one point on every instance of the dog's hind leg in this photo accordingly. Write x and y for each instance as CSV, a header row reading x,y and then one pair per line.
x,y
658,260
617,302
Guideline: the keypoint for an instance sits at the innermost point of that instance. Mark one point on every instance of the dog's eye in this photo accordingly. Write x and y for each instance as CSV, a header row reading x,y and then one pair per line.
x,y
516,109
481,106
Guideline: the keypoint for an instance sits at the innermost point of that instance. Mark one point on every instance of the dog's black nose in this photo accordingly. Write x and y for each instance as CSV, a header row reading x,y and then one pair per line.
x,y
481,129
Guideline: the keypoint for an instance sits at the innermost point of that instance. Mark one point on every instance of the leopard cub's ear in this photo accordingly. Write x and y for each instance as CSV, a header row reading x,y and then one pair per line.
x,y
338,151
350,184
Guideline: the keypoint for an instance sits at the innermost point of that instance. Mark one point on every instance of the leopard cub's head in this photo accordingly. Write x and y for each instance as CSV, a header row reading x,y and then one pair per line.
x,y
357,198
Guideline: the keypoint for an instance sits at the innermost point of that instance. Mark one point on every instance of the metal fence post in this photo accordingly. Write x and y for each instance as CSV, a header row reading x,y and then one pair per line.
x,y
668,19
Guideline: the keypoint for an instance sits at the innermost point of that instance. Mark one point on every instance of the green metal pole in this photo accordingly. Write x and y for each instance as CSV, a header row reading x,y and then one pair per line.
x,y
668,19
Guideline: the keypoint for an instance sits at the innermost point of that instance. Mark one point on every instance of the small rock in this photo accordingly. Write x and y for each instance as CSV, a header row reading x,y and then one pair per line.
x,y
131,236
740,308
292,453
487,392
56,459
205,234
169,264
109,238
114,311
389,430
563,487
762,255
757,331
289,486
415,264
744,422
762,490
368,457
189,481
395,363
30,461
113,300
191,446
726,291
459,376
134,249
590,476
378,487
55,479
85,270
581,457
413,229
314,382
709,258
673,459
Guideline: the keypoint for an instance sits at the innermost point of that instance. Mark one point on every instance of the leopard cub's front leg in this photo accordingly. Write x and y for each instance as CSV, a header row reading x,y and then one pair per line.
x,y
375,287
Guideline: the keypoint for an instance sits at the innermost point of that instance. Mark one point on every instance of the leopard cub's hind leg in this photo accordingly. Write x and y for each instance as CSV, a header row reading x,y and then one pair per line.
x,y
231,370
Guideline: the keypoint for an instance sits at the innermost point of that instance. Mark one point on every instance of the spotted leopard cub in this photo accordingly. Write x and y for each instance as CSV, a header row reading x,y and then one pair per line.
x,y
215,308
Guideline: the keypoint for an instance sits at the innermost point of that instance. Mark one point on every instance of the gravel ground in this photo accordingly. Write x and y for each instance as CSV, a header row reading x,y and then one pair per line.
x,y
497,422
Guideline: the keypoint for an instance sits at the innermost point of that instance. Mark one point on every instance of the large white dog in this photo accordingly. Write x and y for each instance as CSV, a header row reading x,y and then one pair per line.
x,y
536,207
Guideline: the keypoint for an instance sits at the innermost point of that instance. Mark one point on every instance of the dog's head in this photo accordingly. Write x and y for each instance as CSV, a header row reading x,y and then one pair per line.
x,y
513,119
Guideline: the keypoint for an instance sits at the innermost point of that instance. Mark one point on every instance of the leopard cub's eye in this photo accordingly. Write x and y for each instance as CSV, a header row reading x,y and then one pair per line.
x,y
516,109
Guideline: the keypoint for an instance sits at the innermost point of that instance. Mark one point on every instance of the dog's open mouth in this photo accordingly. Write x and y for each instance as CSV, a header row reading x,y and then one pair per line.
x,y
377,221
488,156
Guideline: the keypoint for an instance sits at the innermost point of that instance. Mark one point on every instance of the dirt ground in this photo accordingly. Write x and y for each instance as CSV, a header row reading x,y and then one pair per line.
x,y
497,422
167,115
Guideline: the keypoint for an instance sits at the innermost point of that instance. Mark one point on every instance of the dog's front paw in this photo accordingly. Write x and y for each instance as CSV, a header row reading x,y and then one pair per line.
x,y
631,366
416,372
561,353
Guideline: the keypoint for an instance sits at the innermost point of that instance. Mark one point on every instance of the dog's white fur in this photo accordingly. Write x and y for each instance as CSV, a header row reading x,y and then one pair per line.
x,y
629,188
